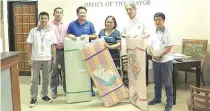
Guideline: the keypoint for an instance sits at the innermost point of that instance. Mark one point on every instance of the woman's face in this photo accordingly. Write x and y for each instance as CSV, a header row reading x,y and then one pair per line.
x,y
109,23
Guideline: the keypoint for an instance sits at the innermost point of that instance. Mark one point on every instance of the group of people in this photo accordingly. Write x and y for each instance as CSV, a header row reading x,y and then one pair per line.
x,y
46,51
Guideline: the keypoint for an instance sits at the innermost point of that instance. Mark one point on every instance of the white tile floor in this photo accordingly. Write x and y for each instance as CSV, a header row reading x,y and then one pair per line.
x,y
96,104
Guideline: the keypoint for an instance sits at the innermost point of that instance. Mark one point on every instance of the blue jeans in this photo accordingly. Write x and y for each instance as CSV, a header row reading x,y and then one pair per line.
x,y
54,76
164,70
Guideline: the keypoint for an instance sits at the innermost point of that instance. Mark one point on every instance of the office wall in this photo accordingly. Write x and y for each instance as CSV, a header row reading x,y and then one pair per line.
x,y
186,19
4,27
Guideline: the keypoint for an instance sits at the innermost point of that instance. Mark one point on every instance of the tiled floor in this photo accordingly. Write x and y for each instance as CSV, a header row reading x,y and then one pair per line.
x,y
96,104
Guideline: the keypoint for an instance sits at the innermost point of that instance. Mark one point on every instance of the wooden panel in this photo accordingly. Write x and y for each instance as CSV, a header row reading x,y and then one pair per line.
x,y
25,36
25,29
10,61
18,9
31,9
25,47
18,19
24,21
18,29
19,38
25,18
25,9
22,58
19,46
25,56
31,19
15,89
27,67
21,66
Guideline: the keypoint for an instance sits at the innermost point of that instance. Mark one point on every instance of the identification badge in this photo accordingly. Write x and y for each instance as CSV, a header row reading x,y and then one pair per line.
x,y
42,48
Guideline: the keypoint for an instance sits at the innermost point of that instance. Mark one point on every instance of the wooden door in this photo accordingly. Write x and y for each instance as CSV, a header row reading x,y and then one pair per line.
x,y
24,16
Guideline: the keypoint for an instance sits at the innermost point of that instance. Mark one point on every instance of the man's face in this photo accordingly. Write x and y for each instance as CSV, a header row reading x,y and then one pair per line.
x,y
43,19
82,14
159,22
130,11
58,14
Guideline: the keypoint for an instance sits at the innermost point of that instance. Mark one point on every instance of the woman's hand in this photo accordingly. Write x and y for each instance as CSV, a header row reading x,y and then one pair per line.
x,y
107,45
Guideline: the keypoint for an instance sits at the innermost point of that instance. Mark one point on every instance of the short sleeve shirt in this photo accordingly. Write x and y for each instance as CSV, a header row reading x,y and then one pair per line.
x,y
113,38
159,40
41,41
78,29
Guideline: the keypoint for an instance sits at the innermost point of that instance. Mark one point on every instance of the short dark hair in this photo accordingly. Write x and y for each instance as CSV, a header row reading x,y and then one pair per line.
x,y
81,7
160,14
112,17
58,8
44,13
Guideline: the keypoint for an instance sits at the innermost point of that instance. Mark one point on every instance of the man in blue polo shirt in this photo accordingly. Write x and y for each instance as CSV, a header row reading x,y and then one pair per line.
x,y
82,28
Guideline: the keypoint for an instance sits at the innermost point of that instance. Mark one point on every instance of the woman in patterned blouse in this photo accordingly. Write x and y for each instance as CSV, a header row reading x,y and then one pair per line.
x,y
112,38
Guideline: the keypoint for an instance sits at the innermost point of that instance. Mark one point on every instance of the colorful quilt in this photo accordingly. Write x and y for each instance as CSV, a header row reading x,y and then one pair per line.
x,y
78,85
102,70
136,50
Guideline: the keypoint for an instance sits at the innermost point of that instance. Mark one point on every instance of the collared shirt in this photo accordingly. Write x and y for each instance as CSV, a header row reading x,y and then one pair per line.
x,y
60,31
112,38
41,41
78,29
159,40
134,27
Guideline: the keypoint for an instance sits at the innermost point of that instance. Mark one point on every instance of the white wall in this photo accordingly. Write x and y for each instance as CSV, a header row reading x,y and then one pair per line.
x,y
4,34
184,18
1,26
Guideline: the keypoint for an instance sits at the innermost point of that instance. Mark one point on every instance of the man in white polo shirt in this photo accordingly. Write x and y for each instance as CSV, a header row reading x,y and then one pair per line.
x,y
41,50
134,27
160,46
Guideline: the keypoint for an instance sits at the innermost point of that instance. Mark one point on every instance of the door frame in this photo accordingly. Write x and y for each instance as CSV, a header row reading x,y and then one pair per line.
x,y
11,25
11,20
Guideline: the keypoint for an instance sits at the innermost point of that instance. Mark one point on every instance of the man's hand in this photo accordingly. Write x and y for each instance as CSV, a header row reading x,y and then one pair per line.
x,y
72,37
157,57
135,36
83,37
146,36
128,36
141,36
54,60
125,36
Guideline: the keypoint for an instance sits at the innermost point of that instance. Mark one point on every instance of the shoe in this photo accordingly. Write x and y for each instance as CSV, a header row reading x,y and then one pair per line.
x,y
93,93
47,99
154,101
53,95
32,103
168,107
